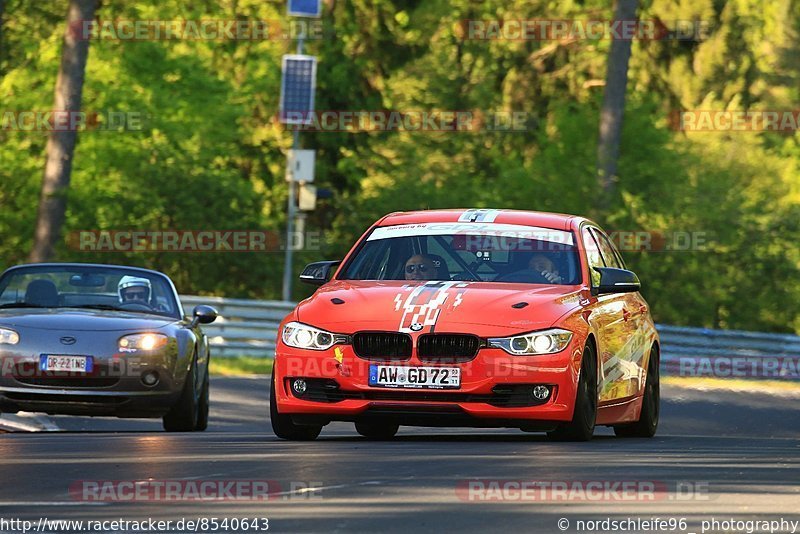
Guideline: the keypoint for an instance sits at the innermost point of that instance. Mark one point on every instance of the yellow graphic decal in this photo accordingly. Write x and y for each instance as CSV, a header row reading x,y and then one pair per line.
x,y
339,355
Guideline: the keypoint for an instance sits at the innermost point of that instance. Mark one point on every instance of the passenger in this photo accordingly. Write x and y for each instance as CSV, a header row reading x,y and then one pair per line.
x,y
421,267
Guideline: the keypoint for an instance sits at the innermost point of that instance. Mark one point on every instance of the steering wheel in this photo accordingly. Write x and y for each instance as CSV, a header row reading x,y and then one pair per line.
x,y
135,306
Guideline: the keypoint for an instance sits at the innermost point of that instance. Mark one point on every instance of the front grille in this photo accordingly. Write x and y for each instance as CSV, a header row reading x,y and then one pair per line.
x,y
447,347
382,345
69,381
28,373
63,399
502,396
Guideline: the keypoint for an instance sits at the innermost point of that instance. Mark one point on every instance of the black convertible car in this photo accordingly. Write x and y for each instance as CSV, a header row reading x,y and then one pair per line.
x,y
102,340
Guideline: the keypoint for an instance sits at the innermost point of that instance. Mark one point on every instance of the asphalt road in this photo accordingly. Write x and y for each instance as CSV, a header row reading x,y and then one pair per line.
x,y
718,455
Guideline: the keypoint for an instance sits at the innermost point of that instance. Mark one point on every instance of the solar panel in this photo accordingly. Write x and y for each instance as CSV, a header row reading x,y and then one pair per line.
x,y
297,89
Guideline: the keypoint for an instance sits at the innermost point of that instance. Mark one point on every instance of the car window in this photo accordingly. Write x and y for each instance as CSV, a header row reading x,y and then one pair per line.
x,y
606,249
67,286
467,252
593,256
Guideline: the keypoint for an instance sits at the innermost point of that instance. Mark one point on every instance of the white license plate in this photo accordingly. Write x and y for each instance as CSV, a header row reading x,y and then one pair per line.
x,y
395,376
76,364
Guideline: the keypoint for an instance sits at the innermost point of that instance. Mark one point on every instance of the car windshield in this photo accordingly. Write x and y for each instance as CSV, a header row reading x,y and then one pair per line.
x,y
90,287
467,251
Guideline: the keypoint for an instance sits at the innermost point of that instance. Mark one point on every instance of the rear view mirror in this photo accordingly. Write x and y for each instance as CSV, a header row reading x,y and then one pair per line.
x,y
616,281
87,280
319,272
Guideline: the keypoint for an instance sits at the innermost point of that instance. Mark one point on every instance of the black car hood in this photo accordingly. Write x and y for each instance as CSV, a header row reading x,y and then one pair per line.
x,y
82,320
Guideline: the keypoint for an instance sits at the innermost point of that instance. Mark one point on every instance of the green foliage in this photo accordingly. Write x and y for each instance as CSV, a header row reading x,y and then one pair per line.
x,y
210,155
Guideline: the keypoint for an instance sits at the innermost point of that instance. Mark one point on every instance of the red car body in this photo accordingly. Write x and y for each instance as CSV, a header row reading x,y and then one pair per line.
x,y
616,327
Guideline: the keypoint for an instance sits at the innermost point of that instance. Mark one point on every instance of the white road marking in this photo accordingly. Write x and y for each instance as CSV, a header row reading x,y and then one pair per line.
x,y
52,503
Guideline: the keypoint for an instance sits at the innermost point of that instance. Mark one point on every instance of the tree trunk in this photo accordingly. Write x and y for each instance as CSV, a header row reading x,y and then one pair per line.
x,y
614,105
2,50
61,144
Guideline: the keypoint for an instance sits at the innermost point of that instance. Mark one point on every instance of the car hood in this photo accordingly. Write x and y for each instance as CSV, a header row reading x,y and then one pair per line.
x,y
81,320
482,308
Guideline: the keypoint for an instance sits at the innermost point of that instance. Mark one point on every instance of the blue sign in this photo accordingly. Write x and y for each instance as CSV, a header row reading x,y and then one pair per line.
x,y
298,86
305,8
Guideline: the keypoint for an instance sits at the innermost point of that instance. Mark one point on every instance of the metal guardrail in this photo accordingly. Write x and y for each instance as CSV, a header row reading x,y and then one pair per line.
x,y
244,327
250,327
687,346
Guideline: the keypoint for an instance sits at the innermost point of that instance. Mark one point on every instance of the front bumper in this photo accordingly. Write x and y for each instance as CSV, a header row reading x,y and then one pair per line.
x,y
492,392
114,388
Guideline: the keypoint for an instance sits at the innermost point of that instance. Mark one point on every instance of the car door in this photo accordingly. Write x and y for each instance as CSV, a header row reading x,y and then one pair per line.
x,y
623,370
606,318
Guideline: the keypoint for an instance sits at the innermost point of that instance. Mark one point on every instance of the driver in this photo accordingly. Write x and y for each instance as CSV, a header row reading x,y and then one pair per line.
x,y
134,290
546,267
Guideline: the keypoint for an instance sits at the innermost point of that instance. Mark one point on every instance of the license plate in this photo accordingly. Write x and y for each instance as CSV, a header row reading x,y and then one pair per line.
x,y
76,364
394,376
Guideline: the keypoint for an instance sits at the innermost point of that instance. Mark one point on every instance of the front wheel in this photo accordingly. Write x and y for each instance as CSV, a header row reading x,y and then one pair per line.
x,y
283,426
647,424
186,416
202,418
377,431
581,428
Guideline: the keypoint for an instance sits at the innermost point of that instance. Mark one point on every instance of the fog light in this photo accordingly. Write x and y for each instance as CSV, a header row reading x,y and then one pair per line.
x,y
540,392
150,378
299,386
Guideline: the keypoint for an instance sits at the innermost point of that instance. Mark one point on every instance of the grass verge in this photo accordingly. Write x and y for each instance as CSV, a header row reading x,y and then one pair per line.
x,y
733,384
240,366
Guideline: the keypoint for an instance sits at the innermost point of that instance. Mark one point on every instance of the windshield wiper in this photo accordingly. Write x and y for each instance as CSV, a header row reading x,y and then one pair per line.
x,y
22,305
94,307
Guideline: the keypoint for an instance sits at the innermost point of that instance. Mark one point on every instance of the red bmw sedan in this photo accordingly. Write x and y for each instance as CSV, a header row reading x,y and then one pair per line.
x,y
474,318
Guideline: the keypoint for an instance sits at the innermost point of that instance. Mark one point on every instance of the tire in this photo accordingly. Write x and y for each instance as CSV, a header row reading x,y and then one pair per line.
x,y
377,431
185,415
647,424
581,428
283,426
202,419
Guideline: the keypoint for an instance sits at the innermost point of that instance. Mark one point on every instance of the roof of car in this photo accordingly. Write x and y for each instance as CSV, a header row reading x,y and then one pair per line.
x,y
557,221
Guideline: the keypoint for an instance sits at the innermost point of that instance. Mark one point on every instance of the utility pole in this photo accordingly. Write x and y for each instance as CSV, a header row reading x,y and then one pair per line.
x,y
297,104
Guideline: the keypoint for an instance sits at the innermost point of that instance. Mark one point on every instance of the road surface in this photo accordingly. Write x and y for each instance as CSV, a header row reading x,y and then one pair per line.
x,y
722,455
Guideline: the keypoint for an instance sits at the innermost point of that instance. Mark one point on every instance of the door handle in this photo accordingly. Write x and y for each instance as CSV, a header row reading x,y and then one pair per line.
x,y
625,314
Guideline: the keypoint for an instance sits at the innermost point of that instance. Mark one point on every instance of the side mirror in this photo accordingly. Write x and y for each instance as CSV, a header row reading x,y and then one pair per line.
x,y
616,281
319,272
203,315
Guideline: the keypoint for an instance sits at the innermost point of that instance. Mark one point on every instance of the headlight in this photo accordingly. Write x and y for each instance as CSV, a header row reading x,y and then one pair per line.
x,y
542,342
302,336
136,342
8,337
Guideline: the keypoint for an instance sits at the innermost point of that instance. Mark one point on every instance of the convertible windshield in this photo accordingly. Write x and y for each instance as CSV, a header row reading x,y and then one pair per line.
x,y
88,287
470,252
